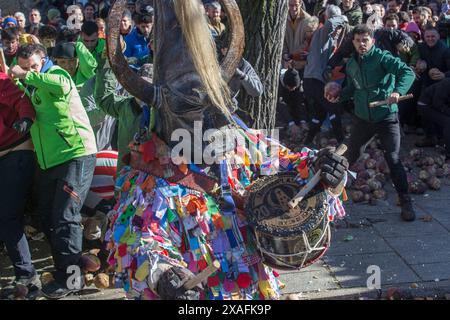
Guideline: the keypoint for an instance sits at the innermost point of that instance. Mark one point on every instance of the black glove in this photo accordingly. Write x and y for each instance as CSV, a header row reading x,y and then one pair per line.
x,y
170,285
333,166
23,125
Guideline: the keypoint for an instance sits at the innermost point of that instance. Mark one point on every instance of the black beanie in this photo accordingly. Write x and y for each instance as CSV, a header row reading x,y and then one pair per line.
x,y
64,50
291,78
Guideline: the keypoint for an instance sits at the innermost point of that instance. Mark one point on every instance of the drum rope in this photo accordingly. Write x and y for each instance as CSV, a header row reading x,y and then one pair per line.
x,y
308,248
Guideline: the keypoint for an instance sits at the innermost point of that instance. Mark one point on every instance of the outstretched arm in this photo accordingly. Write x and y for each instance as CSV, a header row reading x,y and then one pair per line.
x,y
105,93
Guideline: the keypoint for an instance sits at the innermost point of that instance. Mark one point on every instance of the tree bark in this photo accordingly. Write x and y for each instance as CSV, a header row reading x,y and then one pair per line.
x,y
10,7
265,27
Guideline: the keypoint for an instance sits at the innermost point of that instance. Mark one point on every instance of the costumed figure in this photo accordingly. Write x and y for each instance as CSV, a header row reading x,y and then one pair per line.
x,y
227,223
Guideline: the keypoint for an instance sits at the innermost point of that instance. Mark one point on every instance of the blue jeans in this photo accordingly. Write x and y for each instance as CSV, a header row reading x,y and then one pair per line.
x,y
63,190
16,172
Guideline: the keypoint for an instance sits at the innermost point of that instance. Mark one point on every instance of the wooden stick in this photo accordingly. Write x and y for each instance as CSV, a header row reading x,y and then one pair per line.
x,y
313,182
192,283
384,102
3,64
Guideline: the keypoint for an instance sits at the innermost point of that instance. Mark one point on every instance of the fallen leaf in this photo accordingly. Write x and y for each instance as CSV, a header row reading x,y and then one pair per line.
x,y
414,286
427,218
348,238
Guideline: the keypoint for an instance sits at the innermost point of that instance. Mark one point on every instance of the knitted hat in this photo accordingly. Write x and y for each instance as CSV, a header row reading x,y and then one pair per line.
x,y
413,27
291,78
8,20
53,13
64,50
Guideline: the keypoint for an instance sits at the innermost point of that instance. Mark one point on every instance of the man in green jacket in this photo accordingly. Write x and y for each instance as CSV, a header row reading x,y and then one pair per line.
x,y
127,110
375,75
89,38
77,60
65,149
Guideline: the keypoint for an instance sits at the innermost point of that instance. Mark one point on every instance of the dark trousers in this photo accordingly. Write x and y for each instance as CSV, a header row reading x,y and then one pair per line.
x,y
435,122
314,91
388,132
63,190
16,173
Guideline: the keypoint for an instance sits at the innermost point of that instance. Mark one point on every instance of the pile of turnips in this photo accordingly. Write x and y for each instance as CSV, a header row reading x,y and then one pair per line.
x,y
372,173
424,172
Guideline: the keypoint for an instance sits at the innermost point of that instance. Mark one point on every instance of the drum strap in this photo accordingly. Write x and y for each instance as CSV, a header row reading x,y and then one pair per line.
x,y
228,207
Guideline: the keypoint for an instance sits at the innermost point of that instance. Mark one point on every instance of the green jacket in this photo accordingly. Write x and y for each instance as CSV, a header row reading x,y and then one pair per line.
x,y
374,77
125,109
61,131
354,14
87,65
98,53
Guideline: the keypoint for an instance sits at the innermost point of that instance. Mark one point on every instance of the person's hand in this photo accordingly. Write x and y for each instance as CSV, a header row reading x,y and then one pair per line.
x,y
34,39
327,74
23,125
170,285
240,74
393,98
435,74
287,57
421,66
332,91
333,166
17,72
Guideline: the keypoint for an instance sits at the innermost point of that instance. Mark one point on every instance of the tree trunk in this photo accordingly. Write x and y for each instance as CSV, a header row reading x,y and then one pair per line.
x,y
265,27
10,7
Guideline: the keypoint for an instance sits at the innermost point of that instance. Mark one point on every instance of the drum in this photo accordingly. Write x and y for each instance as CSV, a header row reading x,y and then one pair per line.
x,y
288,238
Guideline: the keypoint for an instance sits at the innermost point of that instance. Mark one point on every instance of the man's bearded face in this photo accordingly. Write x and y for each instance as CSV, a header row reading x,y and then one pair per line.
x,y
214,15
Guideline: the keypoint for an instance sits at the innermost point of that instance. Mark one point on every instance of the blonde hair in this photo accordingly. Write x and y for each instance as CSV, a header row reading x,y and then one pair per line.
x,y
202,50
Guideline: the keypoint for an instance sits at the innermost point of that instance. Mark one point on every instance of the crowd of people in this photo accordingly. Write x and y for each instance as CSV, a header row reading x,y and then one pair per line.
x,y
66,122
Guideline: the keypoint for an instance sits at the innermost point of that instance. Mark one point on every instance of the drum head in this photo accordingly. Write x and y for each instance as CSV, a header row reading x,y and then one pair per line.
x,y
268,210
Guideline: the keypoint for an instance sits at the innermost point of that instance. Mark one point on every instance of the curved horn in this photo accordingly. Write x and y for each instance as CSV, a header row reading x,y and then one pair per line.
x,y
135,85
236,49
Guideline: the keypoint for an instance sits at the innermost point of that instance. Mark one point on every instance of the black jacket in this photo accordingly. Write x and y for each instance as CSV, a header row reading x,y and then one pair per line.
x,y
435,57
437,96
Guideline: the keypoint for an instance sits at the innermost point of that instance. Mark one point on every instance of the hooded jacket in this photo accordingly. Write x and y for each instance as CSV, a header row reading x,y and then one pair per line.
x,y
61,131
323,47
124,109
13,106
87,64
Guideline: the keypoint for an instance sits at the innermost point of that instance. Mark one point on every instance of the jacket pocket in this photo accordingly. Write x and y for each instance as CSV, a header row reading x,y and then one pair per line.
x,y
61,134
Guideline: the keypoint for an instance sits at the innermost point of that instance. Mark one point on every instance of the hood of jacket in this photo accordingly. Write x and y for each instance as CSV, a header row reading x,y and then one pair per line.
x,y
323,46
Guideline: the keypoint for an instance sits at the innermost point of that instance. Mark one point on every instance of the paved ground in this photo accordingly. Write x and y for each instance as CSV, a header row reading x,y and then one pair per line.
x,y
413,257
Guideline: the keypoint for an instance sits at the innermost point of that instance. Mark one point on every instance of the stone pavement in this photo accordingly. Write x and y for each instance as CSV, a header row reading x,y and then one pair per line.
x,y
414,256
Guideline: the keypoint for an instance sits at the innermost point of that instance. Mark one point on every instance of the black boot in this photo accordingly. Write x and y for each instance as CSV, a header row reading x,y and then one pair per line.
x,y
407,210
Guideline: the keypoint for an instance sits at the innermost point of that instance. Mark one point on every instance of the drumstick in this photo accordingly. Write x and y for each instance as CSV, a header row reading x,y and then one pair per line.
x,y
313,182
382,103
192,283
